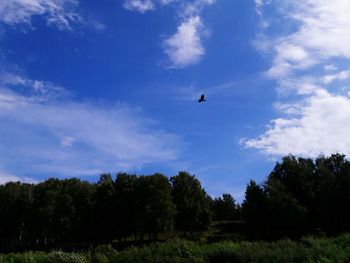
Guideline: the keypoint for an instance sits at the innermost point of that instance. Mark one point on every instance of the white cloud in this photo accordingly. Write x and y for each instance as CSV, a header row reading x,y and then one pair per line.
x,y
141,6
67,141
323,33
194,8
290,57
315,118
97,25
185,47
61,13
259,5
343,75
42,90
330,67
322,128
94,137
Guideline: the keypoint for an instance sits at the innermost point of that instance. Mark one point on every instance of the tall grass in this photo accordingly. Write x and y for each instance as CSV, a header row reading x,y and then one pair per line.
x,y
307,250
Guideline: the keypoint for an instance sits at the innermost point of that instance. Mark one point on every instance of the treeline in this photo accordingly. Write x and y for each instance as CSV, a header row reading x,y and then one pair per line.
x,y
300,196
71,211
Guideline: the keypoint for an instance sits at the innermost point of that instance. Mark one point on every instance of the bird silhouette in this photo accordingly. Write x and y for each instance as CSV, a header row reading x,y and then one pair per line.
x,y
201,99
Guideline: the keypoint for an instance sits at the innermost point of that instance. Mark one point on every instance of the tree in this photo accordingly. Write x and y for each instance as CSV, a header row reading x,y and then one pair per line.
x,y
255,209
292,198
15,203
333,192
44,228
126,196
155,204
225,208
192,204
105,209
286,216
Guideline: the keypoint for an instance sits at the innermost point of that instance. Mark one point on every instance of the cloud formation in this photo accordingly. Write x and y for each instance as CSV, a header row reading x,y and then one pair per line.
x,y
68,138
308,66
60,13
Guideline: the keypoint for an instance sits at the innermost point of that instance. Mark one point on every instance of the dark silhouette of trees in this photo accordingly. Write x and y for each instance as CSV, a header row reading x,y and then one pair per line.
x,y
225,208
155,206
301,196
255,208
126,197
333,193
192,204
105,209
15,203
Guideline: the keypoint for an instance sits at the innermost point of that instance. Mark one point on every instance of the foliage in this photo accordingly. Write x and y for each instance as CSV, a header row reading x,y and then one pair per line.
x,y
225,208
306,250
192,203
300,196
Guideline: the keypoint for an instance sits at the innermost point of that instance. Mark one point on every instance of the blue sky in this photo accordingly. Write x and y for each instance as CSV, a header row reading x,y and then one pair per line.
x,y
104,86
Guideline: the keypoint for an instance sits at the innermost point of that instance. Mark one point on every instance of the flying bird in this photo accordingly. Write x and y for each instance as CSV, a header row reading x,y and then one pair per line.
x,y
201,99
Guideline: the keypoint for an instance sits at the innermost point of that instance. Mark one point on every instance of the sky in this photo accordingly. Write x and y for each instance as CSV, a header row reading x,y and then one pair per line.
x,y
88,87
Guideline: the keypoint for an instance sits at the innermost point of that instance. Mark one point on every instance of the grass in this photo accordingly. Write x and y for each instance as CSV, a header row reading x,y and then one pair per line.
x,y
306,250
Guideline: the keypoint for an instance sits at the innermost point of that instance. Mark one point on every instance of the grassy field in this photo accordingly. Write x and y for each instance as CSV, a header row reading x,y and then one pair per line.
x,y
308,250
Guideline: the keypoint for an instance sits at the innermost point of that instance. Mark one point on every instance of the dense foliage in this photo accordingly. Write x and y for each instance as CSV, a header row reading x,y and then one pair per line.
x,y
307,250
71,212
299,197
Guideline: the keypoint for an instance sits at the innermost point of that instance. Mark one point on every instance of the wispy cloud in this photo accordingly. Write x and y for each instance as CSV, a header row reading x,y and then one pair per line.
x,y
60,13
308,64
66,137
38,89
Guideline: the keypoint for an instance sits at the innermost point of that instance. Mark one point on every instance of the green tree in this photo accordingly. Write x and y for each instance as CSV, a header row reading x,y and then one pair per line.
x,y
291,188
45,231
105,209
334,192
15,202
225,208
126,201
255,209
155,204
192,204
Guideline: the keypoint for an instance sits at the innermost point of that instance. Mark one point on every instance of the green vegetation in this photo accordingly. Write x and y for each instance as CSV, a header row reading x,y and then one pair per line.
x,y
307,250
300,197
